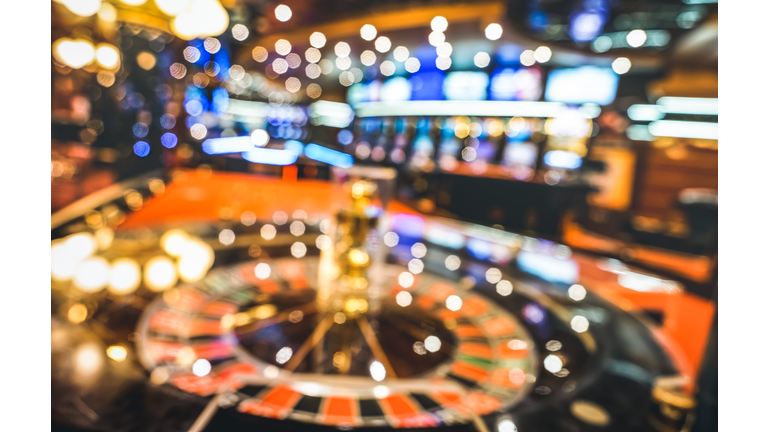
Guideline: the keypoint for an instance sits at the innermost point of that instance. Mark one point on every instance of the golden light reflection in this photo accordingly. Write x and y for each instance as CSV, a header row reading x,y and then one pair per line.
x,y
124,276
117,353
77,313
160,274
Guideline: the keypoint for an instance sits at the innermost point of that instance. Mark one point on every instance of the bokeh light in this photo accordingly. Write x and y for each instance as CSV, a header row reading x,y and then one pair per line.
x,y
621,65
636,38
412,65
443,63
260,54
240,32
368,57
383,44
314,91
444,49
141,149
436,38
493,31
439,24
401,53
124,276
312,55
282,47
343,63
542,54
178,70
528,58
482,59
92,274
280,66
387,68
160,274
368,32
283,13
317,40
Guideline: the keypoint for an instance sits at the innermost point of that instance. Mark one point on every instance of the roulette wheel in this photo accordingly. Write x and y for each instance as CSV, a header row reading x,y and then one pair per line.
x,y
336,308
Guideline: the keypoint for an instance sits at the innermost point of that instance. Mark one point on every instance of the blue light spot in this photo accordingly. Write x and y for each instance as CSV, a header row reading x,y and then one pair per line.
x,y
140,130
329,156
169,140
193,107
345,137
141,149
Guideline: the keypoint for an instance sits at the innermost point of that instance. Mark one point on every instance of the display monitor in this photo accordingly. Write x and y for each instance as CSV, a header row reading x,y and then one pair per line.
x,y
586,84
466,86
516,84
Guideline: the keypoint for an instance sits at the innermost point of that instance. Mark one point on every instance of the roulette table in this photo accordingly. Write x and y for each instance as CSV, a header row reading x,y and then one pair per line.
x,y
207,305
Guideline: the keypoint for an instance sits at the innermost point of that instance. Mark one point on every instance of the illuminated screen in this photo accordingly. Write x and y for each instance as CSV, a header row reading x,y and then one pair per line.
x,y
427,86
516,85
582,85
465,86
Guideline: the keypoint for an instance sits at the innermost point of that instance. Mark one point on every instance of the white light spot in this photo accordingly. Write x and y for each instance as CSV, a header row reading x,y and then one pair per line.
x,y
482,59
517,344
412,65
493,31
262,270
504,288
323,242
405,280
268,232
382,44
452,262
368,57
391,239
418,250
453,303
280,217
636,38
579,324
444,49
554,345
342,49
297,228
378,372
415,266
401,53
201,367
283,355
324,225
493,275
387,68
577,292
439,24
368,32
403,298
443,63
542,54
298,249
317,40
283,13
248,218
436,38
528,58
621,65
92,274
282,47
553,363
418,348
432,343
506,425
260,137
227,237
240,32
380,392
271,371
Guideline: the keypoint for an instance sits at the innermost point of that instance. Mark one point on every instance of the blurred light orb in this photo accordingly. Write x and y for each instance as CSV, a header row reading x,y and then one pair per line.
x,y
504,288
579,324
314,91
236,72
405,280
201,367
280,66
268,232
191,54
553,363
198,131
357,74
81,245
106,79
436,38
403,298
212,45
443,63
452,262
293,84
343,63
493,31
368,32
312,70
382,44
124,276
577,292
401,53
92,274
326,66
84,8
368,57
203,18
133,2
416,266
528,58
323,242
107,56
444,49
636,38
542,54
387,68
378,373
227,237
312,55
73,53
77,313
602,44
298,249
260,54
412,65
280,217
439,24
248,218
506,425
342,49
160,274
621,65
380,392
391,239
453,303
482,59
107,12
172,7
146,60
240,32
283,355
174,241
297,228
260,137
432,344
418,250
141,149
493,275
262,271
117,353
282,47
178,70
345,137
283,13
317,40
88,359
